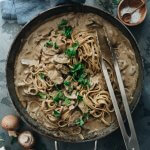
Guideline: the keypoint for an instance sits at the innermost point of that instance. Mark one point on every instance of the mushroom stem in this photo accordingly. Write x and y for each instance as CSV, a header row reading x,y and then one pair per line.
x,y
12,133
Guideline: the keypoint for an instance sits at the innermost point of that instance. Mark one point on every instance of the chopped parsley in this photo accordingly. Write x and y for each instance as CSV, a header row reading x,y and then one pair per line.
x,y
42,75
83,80
67,101
58,97
79,122
56,113
78,73
72,51
48,44
67,83
67,31
51,44
56,46
79,98
85,117
63,23
41,95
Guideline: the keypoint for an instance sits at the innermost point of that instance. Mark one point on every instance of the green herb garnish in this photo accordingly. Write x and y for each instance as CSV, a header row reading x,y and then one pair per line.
x,y
48,44
77,69
67,102
79,98
79,122
56,46
41,95
72,51
67,31
83,80
42,75
58,97
85,117
66,83
78,73
56,113
63,23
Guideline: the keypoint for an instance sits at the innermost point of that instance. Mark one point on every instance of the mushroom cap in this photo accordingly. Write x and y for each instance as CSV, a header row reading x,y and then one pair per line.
x,y
26,139
10,122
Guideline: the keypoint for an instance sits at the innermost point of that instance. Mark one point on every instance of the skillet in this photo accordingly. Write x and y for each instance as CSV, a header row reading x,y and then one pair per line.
x,y
34,23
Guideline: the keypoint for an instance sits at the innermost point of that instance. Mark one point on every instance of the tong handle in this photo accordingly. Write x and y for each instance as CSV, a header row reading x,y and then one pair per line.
x,y
130,141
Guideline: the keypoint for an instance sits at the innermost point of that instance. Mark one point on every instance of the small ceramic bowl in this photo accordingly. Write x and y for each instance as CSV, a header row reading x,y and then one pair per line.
x,y
133,4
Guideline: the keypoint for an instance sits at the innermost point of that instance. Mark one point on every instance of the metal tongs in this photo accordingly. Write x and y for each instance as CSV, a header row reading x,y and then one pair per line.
x,y
130,141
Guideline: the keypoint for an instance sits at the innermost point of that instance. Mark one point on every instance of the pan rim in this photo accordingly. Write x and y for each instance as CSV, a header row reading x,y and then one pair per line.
x,y
21,113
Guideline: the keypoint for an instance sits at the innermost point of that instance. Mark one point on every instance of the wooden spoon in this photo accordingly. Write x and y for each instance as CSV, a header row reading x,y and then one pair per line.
x,y
127,16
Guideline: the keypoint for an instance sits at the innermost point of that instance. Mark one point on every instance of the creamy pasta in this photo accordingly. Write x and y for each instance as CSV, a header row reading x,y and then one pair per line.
x,y
58,74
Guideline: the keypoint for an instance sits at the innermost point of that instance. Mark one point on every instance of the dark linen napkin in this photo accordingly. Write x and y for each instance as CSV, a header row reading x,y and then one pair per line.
x,y
24,10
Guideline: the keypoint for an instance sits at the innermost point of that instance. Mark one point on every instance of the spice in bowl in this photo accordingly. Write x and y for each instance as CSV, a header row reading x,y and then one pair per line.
x,y
135,17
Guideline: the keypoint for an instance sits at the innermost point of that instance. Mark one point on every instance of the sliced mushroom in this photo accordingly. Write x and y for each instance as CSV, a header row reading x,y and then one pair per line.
x,y
60,43
26,139
132,70
123,64
64,69
83,107
29,62
94,80
72,96
10,123
55,76
61,59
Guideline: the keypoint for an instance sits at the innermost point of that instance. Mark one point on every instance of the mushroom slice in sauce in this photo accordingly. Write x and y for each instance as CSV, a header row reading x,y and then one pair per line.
x,y
55,76
72,96
29,62
61,59
83,107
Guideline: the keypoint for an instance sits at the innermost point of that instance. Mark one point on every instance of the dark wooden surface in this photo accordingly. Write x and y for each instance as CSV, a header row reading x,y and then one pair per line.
x,y
141,115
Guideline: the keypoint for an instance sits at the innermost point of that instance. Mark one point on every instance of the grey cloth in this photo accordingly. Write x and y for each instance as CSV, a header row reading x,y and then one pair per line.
x,y
24,10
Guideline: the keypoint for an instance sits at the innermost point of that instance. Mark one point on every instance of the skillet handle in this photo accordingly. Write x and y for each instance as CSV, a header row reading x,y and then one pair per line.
x,y
62,2
95,145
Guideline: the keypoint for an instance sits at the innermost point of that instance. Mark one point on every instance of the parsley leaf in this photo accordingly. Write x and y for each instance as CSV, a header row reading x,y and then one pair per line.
x,y
66,83
78,73
83,80
72,51
67,31
56,46
79,122
58,97
48,44
42,75
56,113
41,95
80,98
63,23
85,117
75,45
67,102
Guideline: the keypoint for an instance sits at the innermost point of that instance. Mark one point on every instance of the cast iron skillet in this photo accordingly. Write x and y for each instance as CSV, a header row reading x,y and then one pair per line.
x,y
27,29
